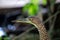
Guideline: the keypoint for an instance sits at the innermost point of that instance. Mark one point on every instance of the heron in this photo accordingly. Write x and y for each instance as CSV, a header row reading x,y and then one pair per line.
x,y
39,25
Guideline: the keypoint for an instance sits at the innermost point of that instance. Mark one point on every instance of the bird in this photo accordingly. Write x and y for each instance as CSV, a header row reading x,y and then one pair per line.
x,y
39,25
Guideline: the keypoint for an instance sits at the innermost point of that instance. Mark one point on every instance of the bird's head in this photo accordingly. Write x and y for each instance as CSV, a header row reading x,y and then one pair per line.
x,y
31,20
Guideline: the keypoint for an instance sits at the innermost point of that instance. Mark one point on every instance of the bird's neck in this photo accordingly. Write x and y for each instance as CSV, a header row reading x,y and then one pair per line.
x,y
42,31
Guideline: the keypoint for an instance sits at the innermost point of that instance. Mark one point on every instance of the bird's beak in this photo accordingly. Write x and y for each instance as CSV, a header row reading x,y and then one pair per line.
x,y
22,21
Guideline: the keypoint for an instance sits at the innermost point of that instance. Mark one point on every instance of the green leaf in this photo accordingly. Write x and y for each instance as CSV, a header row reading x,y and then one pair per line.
x,y
31,9
44,2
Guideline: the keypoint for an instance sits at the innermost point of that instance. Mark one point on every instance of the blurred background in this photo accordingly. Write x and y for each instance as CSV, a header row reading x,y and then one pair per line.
x,y
10,10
